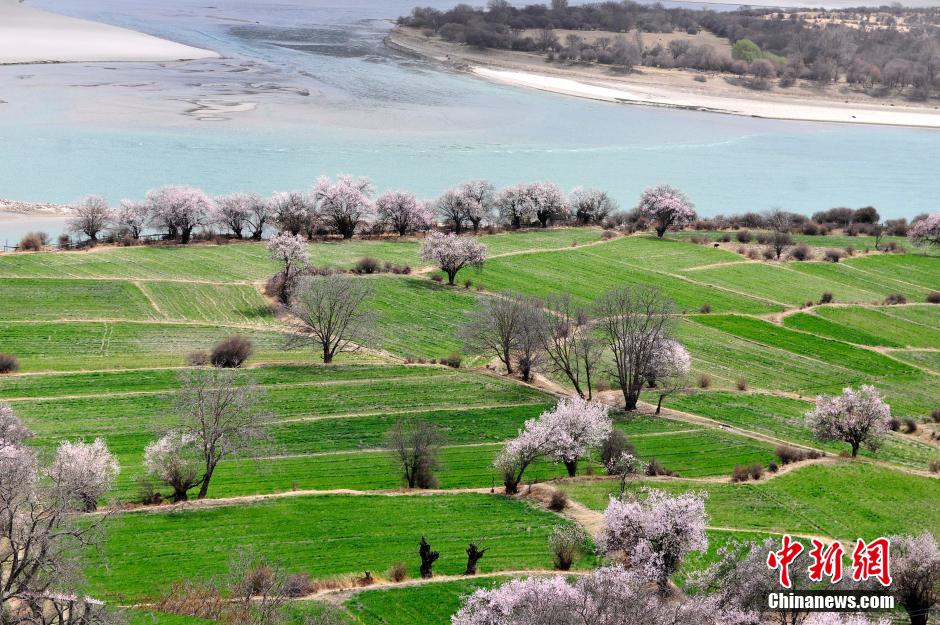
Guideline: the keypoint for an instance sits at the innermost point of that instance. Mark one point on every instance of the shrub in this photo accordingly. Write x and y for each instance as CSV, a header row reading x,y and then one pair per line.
x,y
704,381
753,254
297,585
147,492
739,473
654,468
849,250
366,264
894,424
558,501
810,228
451,361
772,467
467,283
437,277
910,426
725,238
743,236
566,543
705,309
812,454
800,252
398,572
895,298
9,363
608,234
231,353
934,466
756,471
935,415
832,256
933,297
826,298
788,454
197,359
614,445
258,579
769,253
33,241
741,384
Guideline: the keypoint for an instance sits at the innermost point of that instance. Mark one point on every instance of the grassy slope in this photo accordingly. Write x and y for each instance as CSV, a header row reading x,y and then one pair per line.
x,y
324,536
45,299
886,326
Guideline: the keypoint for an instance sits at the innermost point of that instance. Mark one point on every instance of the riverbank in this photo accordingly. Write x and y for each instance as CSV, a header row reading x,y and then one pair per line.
x,y
671,88
29,35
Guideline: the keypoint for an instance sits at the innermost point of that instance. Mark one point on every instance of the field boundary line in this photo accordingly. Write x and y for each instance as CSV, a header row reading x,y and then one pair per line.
x,y
378,413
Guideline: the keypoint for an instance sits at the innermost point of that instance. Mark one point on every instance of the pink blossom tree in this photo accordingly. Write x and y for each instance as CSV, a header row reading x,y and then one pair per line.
x,y
548,202
234,211
532,441
657,533
259,215
591,206
925,232
514,205
576,426
345,204
669,369
668,206
294,212
131,218
12,430
290,252
836,618
179,210
90,217
452,253
85,471
452,208
855,417
174,460
480,199
610,595
402,211
915,571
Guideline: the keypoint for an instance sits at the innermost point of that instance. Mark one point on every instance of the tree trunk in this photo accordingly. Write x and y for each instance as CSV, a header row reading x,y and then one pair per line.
x,y
327,356
572,467
428,558
918,614
630,399
855,449
180,495
204,488
661,230
238,233
185,235
659,404
507,360
474,554
256,235
451,275
511,487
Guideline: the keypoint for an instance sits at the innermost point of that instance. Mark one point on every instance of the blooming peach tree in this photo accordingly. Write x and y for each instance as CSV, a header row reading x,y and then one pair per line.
x,y
402,211
479,201
668,206
855,417
344,204
925,232
85,471
591,205
452,253
669,368
290,252
179,210
915,570
574,427
548,202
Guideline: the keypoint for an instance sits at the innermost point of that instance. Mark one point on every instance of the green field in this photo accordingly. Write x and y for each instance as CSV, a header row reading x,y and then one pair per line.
x,y
886,326
324,536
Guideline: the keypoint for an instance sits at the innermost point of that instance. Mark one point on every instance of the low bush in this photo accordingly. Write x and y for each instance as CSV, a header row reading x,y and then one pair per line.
x,y
614,445
231,353
894,248
740,473
366,265
788,454
654,468
705,309
566,544
832,256
743,236
910,426
772,467
725,238
33,241
9,363
810,228
934,466
753,254
756,471
297,585
769,253
453,360
259,579
147,492
935,415
558,501
849,250
197,359
933,297
398,572
704,381
895,299
437,277
741,384
826,298
467,283
800,252
894,424
608,234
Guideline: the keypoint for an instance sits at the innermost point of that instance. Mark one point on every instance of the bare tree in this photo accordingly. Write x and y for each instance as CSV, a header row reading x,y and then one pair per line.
x,y
415,445
529,353
90,217
220,411
493,327
333,312
568,342
633,321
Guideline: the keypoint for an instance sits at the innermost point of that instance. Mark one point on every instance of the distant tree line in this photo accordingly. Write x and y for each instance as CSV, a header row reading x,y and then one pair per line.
x,y
882,55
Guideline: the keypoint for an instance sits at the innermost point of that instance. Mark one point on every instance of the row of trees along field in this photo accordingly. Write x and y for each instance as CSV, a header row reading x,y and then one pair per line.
x,y
345,207
882,50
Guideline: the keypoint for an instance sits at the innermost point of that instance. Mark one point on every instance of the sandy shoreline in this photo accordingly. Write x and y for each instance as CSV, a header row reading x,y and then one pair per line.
x,y
665,88
29,35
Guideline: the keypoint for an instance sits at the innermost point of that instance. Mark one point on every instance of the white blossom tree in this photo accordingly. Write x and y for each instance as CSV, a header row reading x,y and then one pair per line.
x,y
234,211
668,206
518,453
12,430
576,426
260,214
131,218
480,199
452,208
178,210
548,202
85,471
514,205
452,253
402,211
656,533
174,460
915,573
669,369
836,618
855,417
293,212
591,206
290,252
344,205
925,232
90,217
610,595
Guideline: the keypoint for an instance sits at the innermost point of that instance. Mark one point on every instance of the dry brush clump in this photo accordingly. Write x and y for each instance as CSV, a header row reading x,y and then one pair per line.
x,y
567,543
9,363
231,353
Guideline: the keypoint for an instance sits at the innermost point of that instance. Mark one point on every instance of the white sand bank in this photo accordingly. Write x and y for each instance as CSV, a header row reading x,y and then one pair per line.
x,y
610,91
30,35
